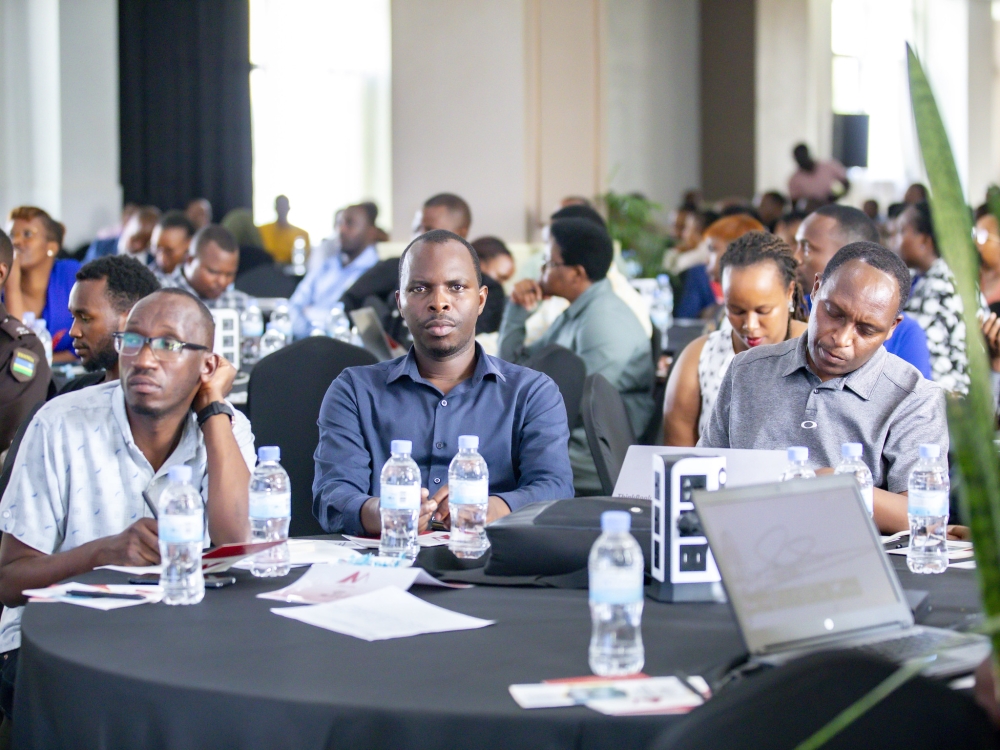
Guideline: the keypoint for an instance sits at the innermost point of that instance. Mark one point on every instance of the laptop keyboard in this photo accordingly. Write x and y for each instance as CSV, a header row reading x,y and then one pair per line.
x,y
913,646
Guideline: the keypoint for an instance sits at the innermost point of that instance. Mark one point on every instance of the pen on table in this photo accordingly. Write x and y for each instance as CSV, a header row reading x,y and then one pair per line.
x,y
686,682
149,504
101,595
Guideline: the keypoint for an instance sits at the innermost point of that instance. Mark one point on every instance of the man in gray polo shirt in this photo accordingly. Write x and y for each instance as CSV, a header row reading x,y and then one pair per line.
x,y
838,384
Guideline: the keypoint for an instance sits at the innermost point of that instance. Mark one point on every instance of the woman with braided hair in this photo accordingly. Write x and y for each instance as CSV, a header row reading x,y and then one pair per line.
x,y
763,305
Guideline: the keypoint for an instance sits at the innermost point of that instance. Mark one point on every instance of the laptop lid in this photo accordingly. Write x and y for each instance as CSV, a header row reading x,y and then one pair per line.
x,y
371,332
801,560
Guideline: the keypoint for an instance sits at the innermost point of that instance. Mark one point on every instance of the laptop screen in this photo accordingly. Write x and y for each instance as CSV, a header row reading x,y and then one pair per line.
x,y
800,560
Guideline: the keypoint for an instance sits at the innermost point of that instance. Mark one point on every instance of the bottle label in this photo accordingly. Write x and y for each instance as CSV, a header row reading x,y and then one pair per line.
x,y
181,529
270,504
469,492
400,497
616,587
927,503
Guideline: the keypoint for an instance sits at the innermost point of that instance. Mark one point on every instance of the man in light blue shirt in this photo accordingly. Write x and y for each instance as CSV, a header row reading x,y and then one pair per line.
x,y
323,287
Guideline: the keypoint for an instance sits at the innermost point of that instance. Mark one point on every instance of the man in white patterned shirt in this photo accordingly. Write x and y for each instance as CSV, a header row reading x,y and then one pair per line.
x,y
210,270
74,501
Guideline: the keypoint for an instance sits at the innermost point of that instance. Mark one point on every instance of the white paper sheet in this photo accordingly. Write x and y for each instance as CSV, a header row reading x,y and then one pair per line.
x,y
332,581
378,615
135,570
304,552
58,594
614,696
432,539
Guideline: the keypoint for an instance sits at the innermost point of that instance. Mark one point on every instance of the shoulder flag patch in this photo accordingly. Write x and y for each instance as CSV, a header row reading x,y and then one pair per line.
x,y
23,365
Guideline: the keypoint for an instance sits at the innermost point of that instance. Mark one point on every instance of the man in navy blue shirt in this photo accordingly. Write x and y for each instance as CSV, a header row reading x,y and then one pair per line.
x,y
821,234
445,387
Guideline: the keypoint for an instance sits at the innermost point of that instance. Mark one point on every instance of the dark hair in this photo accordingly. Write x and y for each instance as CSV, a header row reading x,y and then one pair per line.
x,y
760,247
577,211
584,243
454,204
875,256
853,224
981,211
440,237
370,209
895,209
217,234
488,248
776,196
6,250
803,158
128,280
177,220
793,216
923,222
54,231
208,322
736,209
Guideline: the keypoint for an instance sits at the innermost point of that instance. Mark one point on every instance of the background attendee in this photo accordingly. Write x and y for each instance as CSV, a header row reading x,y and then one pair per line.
x,y
934,303
39,282
916,193
820,236
822,181
105,291
321,289
445,387
24,373
988,245
279,236
239,223
199,211
210,269
444,211
497,266
788,225
597,326
763,305
871,210
170,242
134,239
770,208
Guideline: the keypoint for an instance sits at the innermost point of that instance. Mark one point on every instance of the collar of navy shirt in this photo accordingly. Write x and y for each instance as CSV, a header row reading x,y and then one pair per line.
x,y
862,381
408,366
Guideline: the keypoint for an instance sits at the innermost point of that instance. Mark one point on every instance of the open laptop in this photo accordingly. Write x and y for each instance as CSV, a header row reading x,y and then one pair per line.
x,y
373,335
804,568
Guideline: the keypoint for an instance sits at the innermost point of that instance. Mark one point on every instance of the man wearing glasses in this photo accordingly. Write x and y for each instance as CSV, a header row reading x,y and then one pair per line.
x,y
75,497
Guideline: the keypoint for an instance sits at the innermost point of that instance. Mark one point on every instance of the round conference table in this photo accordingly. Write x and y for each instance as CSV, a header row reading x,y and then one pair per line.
x,y
230,674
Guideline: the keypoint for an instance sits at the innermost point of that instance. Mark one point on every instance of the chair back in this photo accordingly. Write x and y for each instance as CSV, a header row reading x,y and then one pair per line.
x,y
268,280
609,431
568,371
284,396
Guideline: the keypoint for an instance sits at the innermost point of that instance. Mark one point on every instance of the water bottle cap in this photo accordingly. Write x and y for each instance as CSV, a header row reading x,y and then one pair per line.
x,y
798,453
40,322
269,453
930,451
179,473
663,279
851,450
271,326
616,520
468,442
28,318
402,446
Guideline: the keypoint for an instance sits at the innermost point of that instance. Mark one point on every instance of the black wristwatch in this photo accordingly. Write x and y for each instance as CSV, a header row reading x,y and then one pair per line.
x,y
216,407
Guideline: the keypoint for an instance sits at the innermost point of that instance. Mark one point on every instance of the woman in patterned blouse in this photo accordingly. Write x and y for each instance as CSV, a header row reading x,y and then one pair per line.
x,y
933,302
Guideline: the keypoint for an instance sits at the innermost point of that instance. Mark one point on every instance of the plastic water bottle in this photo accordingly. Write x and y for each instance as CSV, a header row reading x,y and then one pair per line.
x,y
469,499
299,256
851,463
338,325
41,330
272,340
929,488
251,329
798,464
399,503
281,319
661,311
616,568
270,512
182,531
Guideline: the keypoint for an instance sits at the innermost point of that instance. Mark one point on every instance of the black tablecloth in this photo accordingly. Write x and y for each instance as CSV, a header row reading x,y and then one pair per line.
x,y
227,673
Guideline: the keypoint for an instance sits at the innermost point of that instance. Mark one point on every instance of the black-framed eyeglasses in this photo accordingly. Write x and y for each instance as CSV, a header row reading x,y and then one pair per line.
x,y
164,348
551,264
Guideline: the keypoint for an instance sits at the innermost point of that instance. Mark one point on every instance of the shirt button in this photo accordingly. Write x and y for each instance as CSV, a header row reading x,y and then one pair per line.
x,y
439,445
815,390
437,481
444,402
6,514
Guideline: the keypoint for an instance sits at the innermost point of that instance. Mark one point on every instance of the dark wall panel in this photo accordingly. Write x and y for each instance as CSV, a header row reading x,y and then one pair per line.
x,y
185,102
727,97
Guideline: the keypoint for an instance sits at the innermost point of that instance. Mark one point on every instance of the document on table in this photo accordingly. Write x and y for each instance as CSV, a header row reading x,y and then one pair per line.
x,y
332,581
623,696
60,593
957,550
427,539
302,552
379,615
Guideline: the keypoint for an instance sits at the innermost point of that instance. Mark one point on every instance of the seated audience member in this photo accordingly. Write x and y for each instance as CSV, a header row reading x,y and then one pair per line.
x,y
763,304
991,331
701,291
210,269
444,387
788,225
689,250
988,245
170,242
817,181
870,209
199,211
38,281
497,265
836,383
279,236
324,287
916,193
597,326
134,239
105,291
62,515
820,236
770,208
933,303
24,372
239,223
